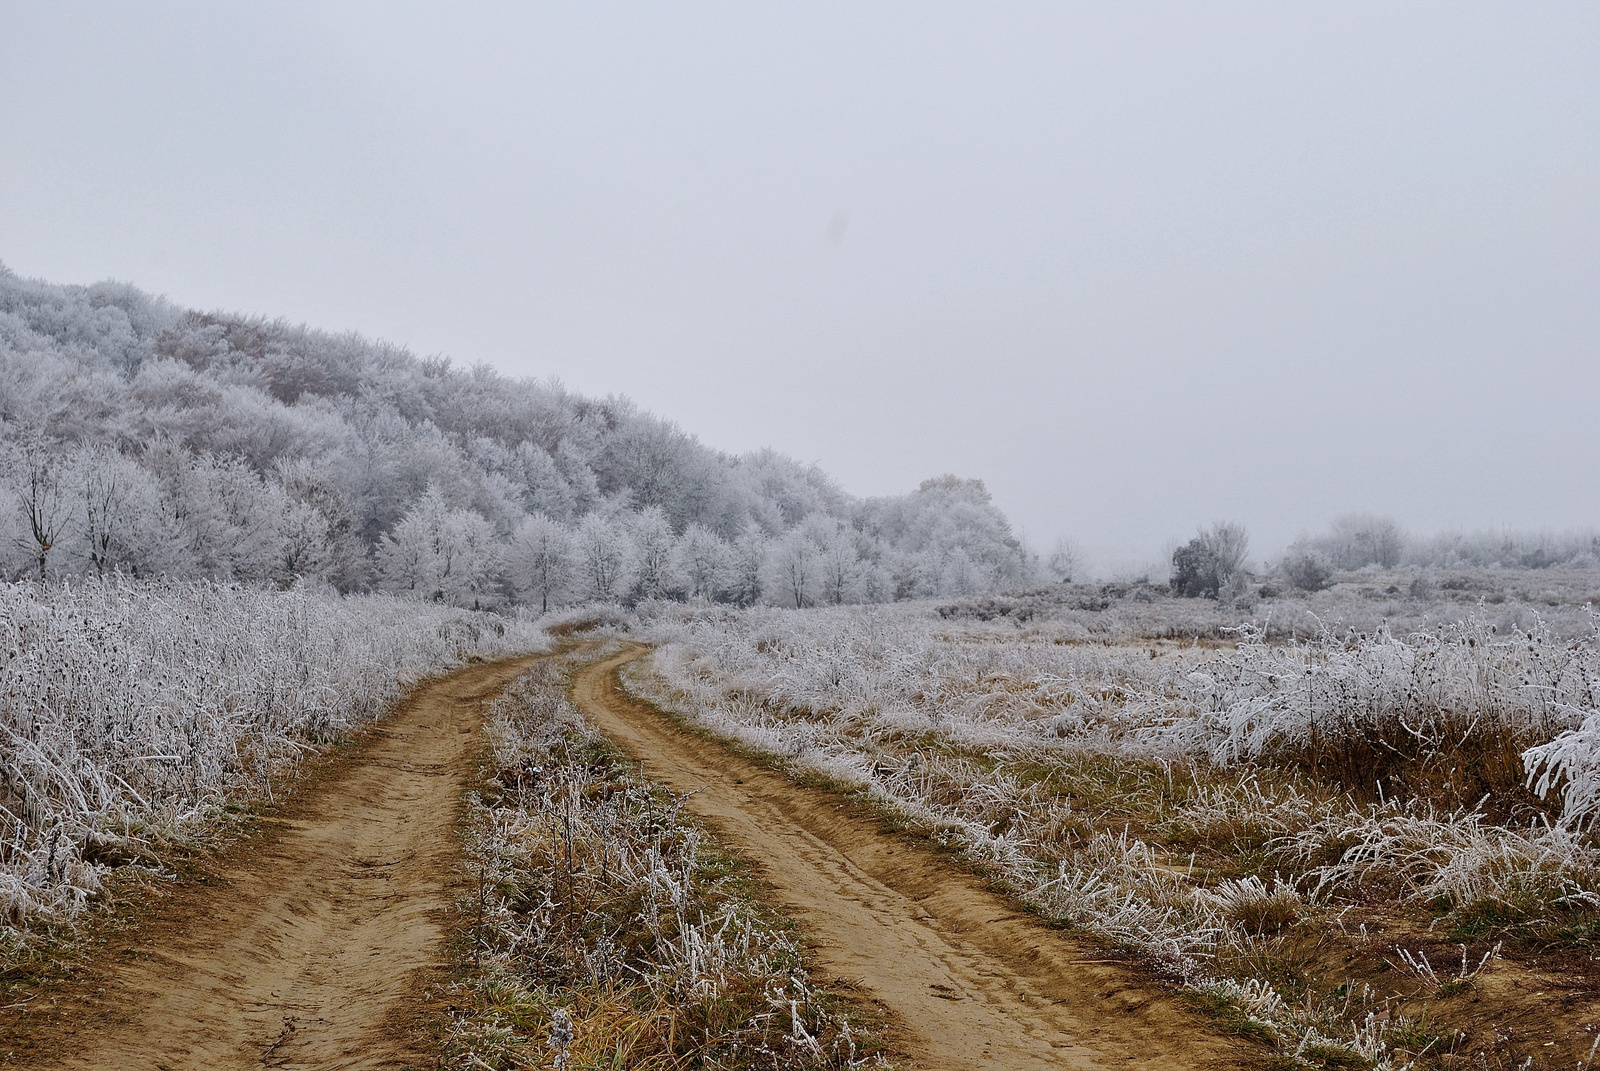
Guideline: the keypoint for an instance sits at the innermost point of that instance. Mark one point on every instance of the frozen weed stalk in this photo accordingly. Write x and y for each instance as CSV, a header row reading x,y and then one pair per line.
x,y
561,1036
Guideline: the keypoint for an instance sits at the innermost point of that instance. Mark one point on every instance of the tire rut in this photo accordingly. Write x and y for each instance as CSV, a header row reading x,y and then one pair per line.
x,y
967,980
313,946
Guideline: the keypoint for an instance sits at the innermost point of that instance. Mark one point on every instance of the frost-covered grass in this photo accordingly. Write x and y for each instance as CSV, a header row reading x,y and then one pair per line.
x,y
1403,600
1444,713
605,929
1259,821
135,713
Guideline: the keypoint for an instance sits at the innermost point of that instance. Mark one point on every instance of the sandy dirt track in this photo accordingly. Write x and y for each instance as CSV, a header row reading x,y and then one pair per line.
x,y
968,981
313,945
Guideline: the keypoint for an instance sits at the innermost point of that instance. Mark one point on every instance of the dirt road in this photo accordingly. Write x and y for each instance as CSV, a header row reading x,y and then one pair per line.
x,y
969,981
312,946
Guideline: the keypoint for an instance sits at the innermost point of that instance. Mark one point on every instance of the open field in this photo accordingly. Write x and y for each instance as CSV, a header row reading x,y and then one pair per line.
x,y
1369,844
1073,827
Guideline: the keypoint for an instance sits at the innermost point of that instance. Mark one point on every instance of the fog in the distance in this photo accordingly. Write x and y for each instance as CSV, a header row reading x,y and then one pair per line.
x,y
1139,267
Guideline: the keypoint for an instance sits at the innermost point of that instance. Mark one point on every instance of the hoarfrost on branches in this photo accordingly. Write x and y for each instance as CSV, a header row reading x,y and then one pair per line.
x,y
142,438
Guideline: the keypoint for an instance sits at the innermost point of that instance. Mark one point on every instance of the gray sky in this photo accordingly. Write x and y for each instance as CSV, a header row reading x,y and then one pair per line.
x,y
1139,266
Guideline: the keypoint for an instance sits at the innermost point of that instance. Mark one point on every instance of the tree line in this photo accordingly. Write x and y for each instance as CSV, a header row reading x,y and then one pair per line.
x,y
142,438
1207,564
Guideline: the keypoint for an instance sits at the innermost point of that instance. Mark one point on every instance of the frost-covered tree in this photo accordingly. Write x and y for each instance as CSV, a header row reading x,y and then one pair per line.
x,y
605,557
793,571
229,521
704,560
838,565
119,512
1228,544
542,561
945,515
960,575
545,490
1205,565
405,559
747,567
440,554
44,501
475,584
318,503
654,572
1064,561
1358,539
307,545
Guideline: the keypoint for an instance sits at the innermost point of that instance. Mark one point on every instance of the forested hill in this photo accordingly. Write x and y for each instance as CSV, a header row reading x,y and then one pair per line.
x,y
140,437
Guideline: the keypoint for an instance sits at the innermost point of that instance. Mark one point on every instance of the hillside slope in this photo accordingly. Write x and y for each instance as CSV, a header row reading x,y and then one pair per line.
x,y
139,436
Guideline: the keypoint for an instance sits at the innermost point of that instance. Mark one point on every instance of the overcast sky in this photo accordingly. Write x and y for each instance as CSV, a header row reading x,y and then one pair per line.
x,y
1138,266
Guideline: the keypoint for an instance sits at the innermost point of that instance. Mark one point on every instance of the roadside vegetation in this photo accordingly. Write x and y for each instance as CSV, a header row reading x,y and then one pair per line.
x,y
1368,846
604,927
140,716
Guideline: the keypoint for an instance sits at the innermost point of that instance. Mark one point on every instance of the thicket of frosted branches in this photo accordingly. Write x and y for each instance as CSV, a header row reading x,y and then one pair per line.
x,y
131,712
1361,540
140,437
950,723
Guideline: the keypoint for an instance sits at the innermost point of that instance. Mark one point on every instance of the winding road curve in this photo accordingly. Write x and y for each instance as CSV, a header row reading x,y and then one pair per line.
x,y
313,943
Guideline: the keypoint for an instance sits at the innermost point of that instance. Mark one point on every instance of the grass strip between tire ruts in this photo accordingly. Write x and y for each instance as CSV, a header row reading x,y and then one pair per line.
x,y
602,926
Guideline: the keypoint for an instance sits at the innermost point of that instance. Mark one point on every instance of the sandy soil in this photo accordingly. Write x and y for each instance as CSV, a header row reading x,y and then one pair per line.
x,y
313,943
968,981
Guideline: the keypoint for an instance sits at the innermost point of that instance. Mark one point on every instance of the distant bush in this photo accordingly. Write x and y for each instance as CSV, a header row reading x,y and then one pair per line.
x,y
1356,540
1064,561
1202,566
1307,570
1194,571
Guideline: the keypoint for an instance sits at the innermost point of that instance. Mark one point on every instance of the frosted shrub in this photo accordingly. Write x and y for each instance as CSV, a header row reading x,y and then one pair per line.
x,y
1121,888
1571,762
1254,906
1244,814
131,711
1456,860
